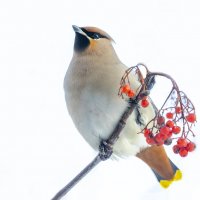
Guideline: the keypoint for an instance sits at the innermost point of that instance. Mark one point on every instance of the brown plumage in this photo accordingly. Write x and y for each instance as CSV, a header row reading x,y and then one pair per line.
x,y
156,157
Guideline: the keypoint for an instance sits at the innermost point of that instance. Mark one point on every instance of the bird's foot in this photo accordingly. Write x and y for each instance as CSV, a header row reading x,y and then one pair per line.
x,y
105,150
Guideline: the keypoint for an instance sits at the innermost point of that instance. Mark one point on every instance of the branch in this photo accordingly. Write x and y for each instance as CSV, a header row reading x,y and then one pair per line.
x,y
105,148
75,180
152,137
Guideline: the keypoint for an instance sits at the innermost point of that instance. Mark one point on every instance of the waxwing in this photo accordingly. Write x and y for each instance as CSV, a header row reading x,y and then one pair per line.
x,y
91,89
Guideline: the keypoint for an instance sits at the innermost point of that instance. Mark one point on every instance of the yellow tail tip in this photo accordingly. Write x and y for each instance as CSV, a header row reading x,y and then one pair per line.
x,y
166,183
178,175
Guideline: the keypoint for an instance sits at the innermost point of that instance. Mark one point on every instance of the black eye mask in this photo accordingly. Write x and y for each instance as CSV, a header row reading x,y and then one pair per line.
x,y
93,35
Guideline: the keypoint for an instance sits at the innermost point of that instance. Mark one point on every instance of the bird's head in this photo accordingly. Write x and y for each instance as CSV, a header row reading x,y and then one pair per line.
x,y
92,40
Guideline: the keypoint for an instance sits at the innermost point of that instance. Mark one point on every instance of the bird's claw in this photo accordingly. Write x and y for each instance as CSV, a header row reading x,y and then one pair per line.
x,y
105,150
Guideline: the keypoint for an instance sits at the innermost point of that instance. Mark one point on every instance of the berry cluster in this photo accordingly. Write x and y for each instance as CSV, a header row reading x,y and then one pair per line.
x,y
173,121
126,89
183,146
165,129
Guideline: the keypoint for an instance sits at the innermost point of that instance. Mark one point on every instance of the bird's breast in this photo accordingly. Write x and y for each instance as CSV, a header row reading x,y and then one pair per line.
x,y
95,107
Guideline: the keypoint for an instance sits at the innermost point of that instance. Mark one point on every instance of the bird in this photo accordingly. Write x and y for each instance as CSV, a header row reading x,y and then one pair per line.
x,y
91,87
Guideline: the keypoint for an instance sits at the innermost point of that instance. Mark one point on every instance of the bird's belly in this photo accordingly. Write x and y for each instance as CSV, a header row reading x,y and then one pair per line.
x,y
98,117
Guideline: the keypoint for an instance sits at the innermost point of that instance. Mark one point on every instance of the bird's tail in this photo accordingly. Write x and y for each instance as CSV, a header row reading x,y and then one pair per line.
x,y
164,169
166,183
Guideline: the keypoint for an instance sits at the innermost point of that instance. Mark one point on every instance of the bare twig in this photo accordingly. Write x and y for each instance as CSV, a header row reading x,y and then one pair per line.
x,y
75,180
105,149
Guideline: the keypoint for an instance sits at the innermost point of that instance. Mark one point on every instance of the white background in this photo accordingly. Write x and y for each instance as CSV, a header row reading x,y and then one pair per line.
x,y
40,150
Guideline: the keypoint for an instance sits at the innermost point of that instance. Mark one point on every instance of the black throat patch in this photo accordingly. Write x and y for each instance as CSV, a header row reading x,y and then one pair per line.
x,y
81,42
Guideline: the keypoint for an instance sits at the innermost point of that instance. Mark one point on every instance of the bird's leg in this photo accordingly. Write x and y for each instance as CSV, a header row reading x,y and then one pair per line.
x,y
105,150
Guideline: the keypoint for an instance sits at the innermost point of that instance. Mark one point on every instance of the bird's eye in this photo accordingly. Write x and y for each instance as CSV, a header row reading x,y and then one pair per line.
x,y
96,36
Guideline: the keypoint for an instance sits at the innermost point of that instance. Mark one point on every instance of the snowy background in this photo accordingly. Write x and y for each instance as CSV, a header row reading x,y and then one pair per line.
x,y
40,149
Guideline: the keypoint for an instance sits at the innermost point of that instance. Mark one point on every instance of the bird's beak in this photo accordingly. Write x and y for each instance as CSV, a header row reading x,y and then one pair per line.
x,y
78,30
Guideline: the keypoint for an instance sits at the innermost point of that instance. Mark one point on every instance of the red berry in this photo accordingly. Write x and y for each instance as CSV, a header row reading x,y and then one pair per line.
x,y
150,141
169,134
176,129
131,93
183,152
182,142
165,130
159,139
178,110
144,103
176,149
125,89
160,120
169,115
190,146
164,136
147,133
170,123
191,118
